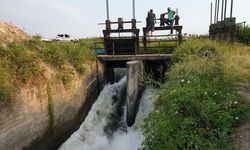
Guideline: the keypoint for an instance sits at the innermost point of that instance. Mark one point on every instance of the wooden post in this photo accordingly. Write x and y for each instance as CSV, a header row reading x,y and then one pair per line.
x,y
108,26
133,26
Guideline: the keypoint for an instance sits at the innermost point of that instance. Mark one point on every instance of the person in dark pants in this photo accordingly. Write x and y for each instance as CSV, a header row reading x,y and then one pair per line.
x,y
150,22
170,19
162,20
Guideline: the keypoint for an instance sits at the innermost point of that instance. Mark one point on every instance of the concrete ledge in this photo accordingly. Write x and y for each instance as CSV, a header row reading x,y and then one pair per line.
x,y
134,70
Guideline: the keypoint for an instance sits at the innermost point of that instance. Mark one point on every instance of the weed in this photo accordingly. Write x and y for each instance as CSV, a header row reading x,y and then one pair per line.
x,y
198,107
66,78
21,61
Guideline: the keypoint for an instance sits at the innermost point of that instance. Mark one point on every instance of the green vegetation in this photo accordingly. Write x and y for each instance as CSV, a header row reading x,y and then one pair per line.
x,y
198,107
6,88
243,34
160,46
20,62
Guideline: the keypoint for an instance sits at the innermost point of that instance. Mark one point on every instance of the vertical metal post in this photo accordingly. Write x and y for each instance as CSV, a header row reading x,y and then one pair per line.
x,y
215,11
244,31
211,14
218,9
231,13
158,47
136,49
225,11
222,8
97,76
133,9
113,48
107,7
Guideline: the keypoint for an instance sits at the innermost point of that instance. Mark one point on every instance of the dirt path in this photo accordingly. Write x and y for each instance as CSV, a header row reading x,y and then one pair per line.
x,y
241,139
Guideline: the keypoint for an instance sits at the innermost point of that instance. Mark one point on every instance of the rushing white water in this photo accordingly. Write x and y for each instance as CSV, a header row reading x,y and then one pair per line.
x,y
105,127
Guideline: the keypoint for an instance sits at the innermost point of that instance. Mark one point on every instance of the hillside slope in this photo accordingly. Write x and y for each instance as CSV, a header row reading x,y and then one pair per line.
x,y
10,33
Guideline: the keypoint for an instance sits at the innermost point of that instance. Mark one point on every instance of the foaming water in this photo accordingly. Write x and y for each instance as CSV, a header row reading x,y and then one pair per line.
x,y
105,126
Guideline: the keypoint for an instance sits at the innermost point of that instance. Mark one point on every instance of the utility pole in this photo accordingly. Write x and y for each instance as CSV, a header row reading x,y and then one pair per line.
x,y
107,8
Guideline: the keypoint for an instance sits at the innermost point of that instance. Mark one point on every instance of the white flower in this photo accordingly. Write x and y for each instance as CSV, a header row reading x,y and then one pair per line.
x,y
235,102
188,82
182,80
237,118
205,93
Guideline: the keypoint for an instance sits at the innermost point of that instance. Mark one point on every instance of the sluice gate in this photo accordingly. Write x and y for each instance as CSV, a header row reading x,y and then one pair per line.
x,y
125,48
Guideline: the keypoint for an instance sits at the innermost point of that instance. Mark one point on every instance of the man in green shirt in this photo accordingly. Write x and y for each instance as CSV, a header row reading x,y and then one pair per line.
x,y
170,18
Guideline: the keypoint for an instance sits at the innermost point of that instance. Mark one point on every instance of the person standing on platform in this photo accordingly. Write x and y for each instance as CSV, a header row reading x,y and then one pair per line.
x,y
150,22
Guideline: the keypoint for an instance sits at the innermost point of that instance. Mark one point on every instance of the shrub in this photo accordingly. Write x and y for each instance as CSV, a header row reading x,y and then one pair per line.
x,y
198,107
22,62
53,55
66,78
6,88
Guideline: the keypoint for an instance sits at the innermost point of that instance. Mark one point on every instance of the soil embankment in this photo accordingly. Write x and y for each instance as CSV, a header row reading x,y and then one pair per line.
x,y
43,111
43,115
10,33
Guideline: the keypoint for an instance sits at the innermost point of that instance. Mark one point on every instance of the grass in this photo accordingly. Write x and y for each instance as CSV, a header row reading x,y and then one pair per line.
x,y
20,62
198,107
164,47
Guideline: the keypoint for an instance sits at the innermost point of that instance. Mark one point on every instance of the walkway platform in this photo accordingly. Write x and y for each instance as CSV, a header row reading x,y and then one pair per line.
x,y
134,57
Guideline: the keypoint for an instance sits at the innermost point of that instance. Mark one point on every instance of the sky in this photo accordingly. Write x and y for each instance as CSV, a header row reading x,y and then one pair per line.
x,y
80,18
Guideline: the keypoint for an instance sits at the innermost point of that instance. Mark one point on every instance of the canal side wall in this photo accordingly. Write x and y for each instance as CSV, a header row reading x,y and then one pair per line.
x,y
134,71
43,116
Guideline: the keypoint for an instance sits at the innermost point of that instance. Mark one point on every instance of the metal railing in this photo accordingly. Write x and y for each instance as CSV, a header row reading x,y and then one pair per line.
x,y
241,33
157,44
